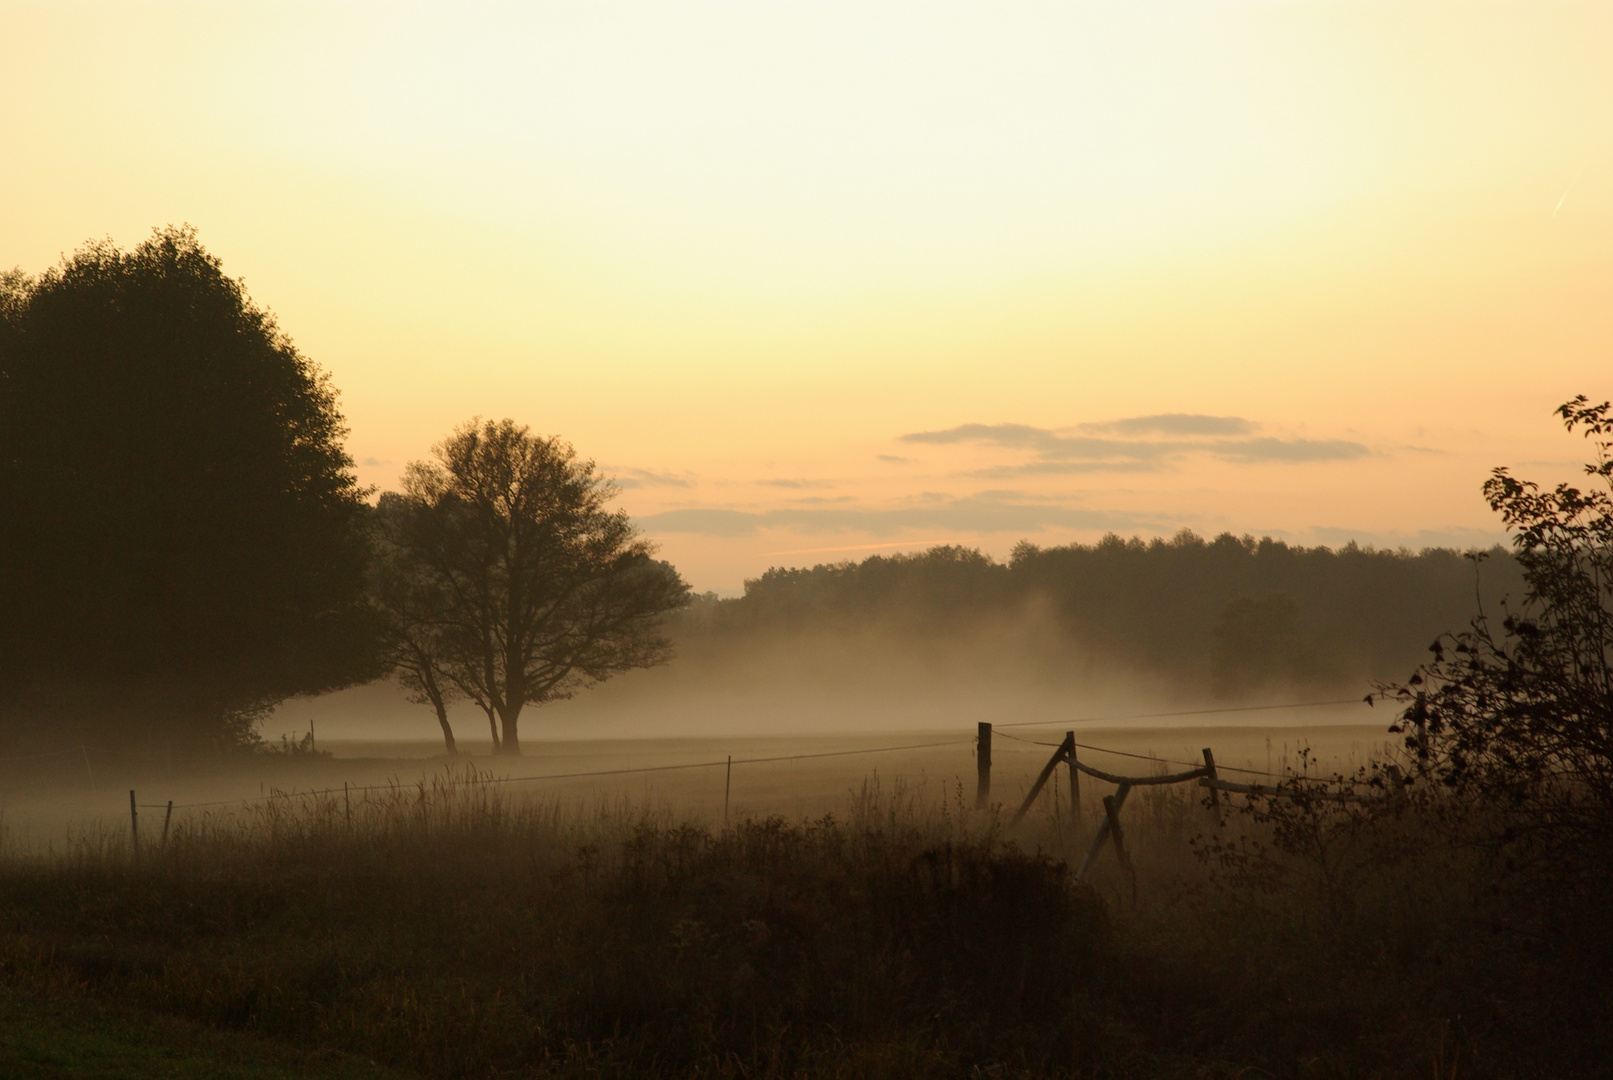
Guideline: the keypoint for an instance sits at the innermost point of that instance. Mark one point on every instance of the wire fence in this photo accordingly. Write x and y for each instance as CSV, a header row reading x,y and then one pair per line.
x,y
729,762
1388,779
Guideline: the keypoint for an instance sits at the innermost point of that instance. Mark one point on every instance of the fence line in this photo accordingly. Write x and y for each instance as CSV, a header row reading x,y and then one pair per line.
x,y
725,763
1187,712
1171,761
1065,752
1207,775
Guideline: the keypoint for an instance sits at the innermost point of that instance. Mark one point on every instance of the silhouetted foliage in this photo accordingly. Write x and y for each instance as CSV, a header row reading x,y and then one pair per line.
x,y
1523,717
1234,615
411,602
179,523
531,588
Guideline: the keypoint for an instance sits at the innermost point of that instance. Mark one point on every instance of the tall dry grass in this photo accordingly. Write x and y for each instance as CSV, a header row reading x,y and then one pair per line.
x,y
456,929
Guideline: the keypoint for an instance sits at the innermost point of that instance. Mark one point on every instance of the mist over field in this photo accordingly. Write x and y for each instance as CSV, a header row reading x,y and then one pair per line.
x,y
946,638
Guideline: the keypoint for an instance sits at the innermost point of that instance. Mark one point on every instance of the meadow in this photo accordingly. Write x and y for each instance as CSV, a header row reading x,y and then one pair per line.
x,y
854,917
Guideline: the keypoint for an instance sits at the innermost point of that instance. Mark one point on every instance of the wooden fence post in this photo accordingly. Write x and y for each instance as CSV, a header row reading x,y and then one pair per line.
x,y
1111,811
1209,774
727,786
1119,799
134,824
1397,781
166,817
983,767
1041,781
1075,780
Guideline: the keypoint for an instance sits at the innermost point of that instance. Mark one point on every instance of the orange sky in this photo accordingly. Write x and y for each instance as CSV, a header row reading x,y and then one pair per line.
x,y
811,278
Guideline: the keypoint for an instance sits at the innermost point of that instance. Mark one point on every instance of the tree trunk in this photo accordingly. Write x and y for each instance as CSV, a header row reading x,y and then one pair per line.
x,y
449,747
434,692
492,724
512,739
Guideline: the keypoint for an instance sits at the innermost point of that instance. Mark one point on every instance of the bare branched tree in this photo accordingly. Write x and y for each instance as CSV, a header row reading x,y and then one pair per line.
x,y
535,589
411,602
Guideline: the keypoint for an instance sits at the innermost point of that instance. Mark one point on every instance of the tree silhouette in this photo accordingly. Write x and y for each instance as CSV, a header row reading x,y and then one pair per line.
x,y
179,523
543,591
1521,713
410,602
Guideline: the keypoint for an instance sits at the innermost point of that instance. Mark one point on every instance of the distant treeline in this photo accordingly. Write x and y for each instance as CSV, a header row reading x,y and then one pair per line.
x,y
1233,615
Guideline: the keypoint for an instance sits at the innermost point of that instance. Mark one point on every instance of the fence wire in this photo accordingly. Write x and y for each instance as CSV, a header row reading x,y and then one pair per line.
x,y
729,762
725,762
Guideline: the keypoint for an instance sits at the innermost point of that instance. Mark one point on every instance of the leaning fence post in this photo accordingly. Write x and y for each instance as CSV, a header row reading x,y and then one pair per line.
x,y
134,824
1209,774
1075,780
983,766
1041,781
1119,798
165,819
1111,810
727,786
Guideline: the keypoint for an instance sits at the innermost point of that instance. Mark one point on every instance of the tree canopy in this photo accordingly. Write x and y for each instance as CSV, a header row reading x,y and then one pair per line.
x,y
180,526
521,586
1233,616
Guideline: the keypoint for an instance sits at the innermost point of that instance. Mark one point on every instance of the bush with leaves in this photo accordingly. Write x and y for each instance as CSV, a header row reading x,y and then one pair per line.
x,y
1518,714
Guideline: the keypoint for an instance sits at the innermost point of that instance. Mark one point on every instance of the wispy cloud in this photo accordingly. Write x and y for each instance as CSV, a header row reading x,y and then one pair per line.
x,y
1125,447
1267,448
374,462
628,478
984,512
1174,424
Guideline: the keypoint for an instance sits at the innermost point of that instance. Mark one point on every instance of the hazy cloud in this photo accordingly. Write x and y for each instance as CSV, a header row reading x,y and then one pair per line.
x,y
987,512
787,483
374,463
1175,424
893,459
1270,449
1224,437
1060,468
628,478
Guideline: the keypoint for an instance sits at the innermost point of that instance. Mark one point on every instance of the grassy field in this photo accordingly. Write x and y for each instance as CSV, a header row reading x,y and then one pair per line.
x,y
842,924
44,803
63,1039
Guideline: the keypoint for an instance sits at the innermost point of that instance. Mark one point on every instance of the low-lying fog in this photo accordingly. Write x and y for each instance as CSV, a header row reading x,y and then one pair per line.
x,y
861,681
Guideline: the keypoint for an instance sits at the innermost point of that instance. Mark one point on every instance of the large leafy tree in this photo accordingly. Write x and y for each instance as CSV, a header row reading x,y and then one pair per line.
x,y
180,527
543,590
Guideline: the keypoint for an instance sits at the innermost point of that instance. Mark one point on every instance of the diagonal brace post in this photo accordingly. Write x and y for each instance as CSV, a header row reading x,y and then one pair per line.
x,y
1111,806
1064,753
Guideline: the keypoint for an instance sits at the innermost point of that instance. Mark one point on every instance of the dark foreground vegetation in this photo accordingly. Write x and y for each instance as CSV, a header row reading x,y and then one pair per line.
x,y
444,931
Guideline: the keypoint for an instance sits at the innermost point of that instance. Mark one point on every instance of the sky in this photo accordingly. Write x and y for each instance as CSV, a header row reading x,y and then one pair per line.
x,y
815,281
